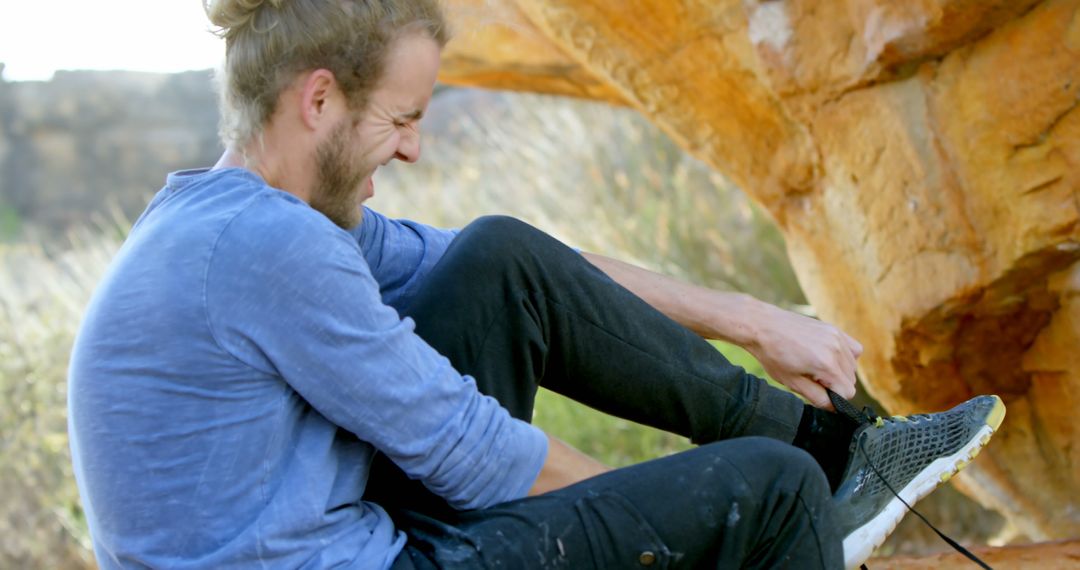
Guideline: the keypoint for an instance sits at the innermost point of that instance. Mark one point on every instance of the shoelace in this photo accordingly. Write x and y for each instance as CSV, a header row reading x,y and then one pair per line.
x,y
867,416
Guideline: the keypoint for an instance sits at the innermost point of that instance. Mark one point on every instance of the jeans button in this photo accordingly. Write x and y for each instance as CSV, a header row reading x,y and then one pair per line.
x,y
647,558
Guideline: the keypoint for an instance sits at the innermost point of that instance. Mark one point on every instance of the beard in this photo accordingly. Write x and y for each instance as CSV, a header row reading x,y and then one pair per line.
x,y
338,184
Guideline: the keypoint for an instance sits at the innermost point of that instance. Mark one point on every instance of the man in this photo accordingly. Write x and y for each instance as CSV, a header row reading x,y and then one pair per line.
x,y
248,390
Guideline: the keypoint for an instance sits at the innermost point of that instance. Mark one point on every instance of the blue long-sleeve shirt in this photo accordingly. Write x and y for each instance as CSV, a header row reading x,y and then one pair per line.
x,y
238,367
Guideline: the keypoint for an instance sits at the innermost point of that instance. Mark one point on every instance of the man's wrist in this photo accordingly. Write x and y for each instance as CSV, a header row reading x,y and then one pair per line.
x,y
741,320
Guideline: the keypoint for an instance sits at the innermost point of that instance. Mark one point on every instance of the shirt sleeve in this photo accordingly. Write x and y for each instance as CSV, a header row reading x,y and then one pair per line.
x,y
296,299
400,253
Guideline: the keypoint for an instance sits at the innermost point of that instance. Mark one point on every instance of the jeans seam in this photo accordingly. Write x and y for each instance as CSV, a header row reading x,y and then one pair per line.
x,y
802,503
491,323
813,529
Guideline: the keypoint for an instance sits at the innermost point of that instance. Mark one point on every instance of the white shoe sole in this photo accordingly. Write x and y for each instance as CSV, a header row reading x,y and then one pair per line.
x,y
861,543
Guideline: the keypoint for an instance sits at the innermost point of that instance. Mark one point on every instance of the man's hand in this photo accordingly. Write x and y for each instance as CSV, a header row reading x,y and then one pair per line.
x,y
801,353
804,354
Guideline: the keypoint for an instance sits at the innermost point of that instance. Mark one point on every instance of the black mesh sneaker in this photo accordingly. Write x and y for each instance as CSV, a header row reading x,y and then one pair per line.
x,y
903,458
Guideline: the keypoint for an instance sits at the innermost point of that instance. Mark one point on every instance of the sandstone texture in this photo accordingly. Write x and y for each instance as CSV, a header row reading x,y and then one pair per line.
x,y
922,159
1061,555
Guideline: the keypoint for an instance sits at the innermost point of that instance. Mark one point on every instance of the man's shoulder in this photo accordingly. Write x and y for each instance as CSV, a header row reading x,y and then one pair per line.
x,y
241,210
275,242
277,224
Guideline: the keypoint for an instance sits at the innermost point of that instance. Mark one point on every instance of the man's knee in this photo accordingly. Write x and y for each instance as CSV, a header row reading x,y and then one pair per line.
x,y
487,258
491,246
768,461
497,232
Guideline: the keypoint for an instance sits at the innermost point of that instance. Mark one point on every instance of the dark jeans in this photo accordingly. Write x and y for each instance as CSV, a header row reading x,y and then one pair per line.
x,y
516,309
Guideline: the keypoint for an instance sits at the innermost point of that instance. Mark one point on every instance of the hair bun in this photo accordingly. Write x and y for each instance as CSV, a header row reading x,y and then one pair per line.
x,y
229,15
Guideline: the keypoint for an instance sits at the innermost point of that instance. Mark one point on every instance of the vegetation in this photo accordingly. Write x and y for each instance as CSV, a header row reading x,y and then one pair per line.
x,y
42,295
10,222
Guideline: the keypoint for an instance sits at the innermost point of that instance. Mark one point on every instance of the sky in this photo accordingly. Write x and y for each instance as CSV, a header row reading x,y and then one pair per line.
x,y
39,37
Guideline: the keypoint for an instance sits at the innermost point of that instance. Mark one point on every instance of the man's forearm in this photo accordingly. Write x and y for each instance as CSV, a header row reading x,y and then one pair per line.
x,y
801,353
565,466
712,314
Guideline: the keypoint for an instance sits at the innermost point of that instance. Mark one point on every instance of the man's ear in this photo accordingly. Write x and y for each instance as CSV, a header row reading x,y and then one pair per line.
x,y
318,97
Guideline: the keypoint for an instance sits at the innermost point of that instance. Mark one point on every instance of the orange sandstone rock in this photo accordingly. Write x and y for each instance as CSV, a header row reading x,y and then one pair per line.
x,y
1044,556
922,159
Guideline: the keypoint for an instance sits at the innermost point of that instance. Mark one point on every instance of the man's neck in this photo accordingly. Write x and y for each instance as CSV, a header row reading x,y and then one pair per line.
x,y
230,159
269,166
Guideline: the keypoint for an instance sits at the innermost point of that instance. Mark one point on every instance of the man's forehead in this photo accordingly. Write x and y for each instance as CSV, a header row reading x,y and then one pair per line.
x,y
406,87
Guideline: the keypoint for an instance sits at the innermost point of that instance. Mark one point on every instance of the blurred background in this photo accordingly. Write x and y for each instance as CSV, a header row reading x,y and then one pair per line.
x,y
81,153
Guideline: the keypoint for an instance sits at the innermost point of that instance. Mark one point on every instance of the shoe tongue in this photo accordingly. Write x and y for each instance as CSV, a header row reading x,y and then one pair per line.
x,y
847,409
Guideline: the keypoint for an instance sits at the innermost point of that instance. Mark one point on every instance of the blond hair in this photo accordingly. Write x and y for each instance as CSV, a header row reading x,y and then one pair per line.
x,y
269,42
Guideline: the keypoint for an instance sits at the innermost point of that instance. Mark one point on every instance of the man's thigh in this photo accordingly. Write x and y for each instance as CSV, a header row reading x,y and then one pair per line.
x,y
602,530
598,529
743,502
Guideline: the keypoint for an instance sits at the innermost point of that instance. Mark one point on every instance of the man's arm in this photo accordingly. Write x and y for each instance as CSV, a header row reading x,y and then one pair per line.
x,y
564,466
299,303
399,253
802,353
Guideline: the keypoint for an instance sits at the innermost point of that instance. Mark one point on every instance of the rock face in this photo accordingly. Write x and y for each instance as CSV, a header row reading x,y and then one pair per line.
x,y
922,159
1060,555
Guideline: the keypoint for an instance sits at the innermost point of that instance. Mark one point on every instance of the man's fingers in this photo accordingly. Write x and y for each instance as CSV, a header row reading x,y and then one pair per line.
x,y
813,392
835,368
845,389
845,385
838,376
854,345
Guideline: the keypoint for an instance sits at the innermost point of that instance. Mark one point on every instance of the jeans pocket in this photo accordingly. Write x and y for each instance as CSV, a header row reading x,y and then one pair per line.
x,y
618,535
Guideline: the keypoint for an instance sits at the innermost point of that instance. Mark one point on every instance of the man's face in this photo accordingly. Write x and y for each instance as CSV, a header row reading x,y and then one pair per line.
x,y
388,129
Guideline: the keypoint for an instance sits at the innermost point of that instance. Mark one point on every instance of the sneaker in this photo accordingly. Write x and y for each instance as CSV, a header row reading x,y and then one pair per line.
x,y
900,460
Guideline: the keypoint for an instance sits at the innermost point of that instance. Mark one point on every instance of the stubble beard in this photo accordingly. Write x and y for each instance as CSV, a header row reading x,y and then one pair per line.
x,y
338,185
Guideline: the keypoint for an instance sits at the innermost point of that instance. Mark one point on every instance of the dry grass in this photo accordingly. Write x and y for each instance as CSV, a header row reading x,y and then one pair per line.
x,y
42,296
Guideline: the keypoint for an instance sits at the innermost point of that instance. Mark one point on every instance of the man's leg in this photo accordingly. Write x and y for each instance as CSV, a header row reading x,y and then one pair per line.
x,y
516,309
742,503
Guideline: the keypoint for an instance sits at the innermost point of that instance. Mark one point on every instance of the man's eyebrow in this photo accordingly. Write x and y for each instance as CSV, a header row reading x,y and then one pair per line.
x,y
414,115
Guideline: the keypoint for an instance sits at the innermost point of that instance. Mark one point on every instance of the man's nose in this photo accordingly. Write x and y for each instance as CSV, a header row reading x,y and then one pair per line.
x,y
409,148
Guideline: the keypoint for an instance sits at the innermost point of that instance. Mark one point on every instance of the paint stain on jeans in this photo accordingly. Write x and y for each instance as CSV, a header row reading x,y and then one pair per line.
x,y
733,515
